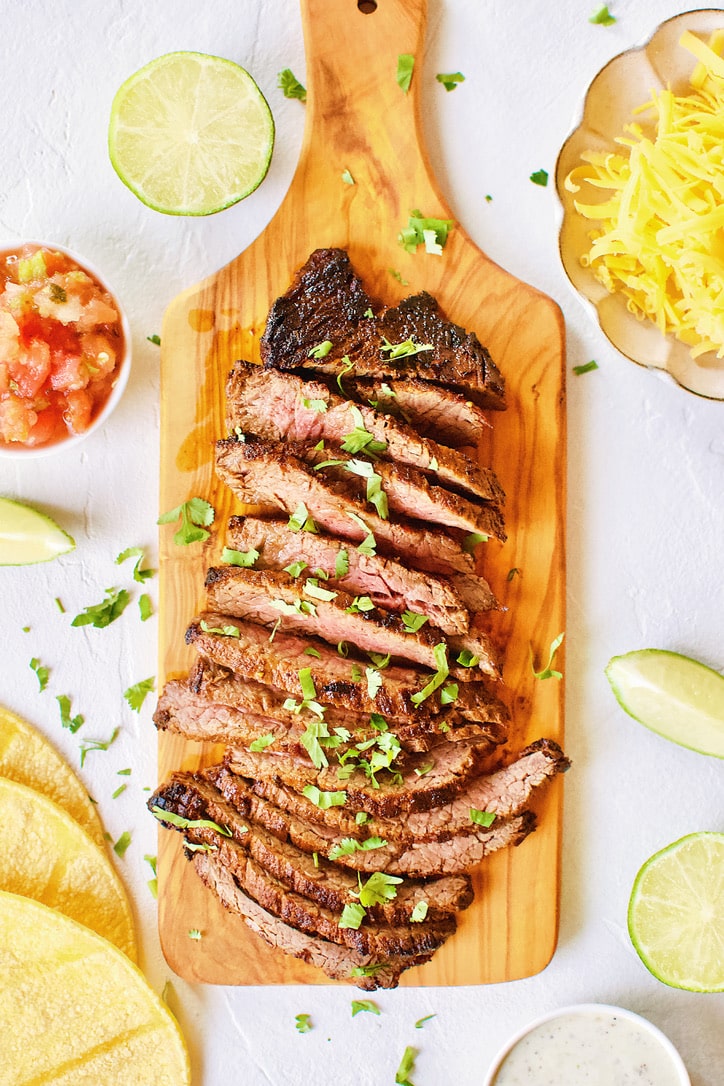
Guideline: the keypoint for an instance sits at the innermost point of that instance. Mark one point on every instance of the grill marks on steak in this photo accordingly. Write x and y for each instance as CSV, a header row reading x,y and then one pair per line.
x,y
267,473
283,407
326,301
270,598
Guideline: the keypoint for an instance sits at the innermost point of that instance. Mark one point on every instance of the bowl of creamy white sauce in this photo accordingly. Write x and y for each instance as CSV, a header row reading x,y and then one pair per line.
x,y
590,1044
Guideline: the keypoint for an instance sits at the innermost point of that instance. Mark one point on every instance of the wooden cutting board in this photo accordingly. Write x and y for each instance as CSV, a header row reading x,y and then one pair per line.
x,y
358,119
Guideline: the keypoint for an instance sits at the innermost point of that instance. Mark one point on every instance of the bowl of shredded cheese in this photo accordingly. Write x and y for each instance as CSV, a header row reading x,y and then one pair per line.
x,y
640,182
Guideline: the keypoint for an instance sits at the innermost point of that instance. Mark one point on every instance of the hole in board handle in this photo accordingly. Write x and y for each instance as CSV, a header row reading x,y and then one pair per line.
x,y
367,7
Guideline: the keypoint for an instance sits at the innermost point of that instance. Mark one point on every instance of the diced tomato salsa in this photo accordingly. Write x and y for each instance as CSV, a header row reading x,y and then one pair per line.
x,y
61,345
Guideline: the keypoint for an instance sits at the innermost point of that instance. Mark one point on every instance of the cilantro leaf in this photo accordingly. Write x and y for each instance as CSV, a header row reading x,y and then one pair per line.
x,y
359,604
466,658
419,913
321,350
196,516
144,606
136,695
421,1021
405,68
449,693
348,178
290,86
107,611
303,1023
406,349
443,670
139,575
71,723
295,568
586,367
471,541
244,559
374,681
122,844
360,1005
540,177
482,818
96,744
418,224
515,571
182,823
152,883
324,800
378,889
346,846
41,672
222,631
603,17
261,743
352,916
407,1066
300,520
547,672
195,934
450,80
413,621
341,563
155,339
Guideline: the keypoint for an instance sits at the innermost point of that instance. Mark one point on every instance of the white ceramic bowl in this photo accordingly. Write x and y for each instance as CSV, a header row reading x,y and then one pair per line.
x,y
627,82
124,368
679,1075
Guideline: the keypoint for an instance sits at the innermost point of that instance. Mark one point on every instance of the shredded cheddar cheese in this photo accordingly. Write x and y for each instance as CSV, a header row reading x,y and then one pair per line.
x,y
659,234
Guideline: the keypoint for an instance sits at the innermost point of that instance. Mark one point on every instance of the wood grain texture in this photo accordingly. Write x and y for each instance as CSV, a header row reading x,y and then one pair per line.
x,y
358,119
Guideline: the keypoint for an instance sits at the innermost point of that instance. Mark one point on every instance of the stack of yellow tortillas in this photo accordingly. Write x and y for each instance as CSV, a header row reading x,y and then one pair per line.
x,y
74,1008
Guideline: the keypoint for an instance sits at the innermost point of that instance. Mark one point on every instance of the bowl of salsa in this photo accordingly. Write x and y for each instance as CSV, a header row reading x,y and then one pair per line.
x,y
65,349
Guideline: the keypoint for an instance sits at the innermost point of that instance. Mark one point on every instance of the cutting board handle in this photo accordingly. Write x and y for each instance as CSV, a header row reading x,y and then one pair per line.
x,y
358,117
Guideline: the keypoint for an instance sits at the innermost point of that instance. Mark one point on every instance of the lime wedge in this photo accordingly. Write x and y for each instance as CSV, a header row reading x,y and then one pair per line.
x,y
676,913
190,134
27,536
678,697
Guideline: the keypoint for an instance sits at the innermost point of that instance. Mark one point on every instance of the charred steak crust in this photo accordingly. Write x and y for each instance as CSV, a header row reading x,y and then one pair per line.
x,y
327,302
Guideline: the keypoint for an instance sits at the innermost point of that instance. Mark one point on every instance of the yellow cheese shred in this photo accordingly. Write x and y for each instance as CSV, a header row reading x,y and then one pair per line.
x,y
659,234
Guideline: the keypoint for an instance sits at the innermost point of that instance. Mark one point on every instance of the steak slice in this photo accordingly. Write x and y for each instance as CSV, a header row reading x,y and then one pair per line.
x,y
388,583
209,682
278,663
274,598
408,492
268,473
475,592
431,410
505,792
283,407
421,859
338,962
422,785
313,877
326,302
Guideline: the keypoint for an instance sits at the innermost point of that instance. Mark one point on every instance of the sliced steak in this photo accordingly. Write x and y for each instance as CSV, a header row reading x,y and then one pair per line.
x,y
423,782
338,962
431,410
274,598
277,663
475,592
503,793
283,407
215,684
388,583
267,473
313,877
326,302
421,859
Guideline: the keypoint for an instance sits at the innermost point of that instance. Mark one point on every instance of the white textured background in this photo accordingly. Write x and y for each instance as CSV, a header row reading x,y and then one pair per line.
x,y
646,514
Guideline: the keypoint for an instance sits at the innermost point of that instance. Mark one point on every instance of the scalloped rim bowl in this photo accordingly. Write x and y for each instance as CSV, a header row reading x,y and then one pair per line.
x,y
624,83
589,1009
124,369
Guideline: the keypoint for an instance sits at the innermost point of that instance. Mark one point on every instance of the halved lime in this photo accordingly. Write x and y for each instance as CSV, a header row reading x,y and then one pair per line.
x,y
190,134
676,913
27,536
671,694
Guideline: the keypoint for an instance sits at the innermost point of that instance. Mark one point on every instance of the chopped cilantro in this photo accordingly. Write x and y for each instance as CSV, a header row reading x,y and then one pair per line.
x,y
471,541
348,178
261,743
419,913
145,606
547,672
413,621
450,80
374,681
300,520
42,673
443,670
359,604
299,607
368,1005
295,568
303,1023
324,800
540,177
466,658
378,889
310,651
515,571
405,67
194,934
196,516
361,818
380,661
155,339
586,367
488,198
59,605
405,349
121,788
482,818
139,574
343,648
152,883
398,276
102,614
423,770
352,916
244,559
318,406
360,438
71,723
418,225
349,845
122,844
345,367
313,589
367,970
307,683
136,695
421,1021
407,1066
603,17
222,631
449,693
310,740
290,86
321,350
341,563
96,744
182,823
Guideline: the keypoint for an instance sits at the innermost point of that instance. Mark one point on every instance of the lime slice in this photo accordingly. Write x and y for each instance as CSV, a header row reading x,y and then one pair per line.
x,y
190,134
27,536
678,697
676,913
